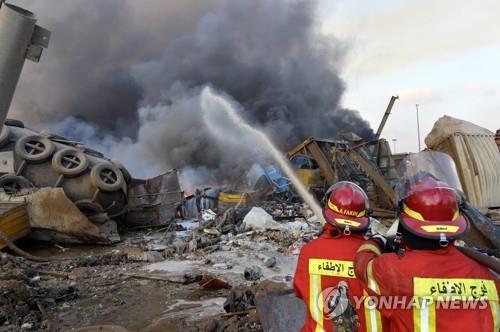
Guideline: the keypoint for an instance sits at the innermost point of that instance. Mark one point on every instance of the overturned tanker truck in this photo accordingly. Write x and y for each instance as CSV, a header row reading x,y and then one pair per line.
x,y
31,160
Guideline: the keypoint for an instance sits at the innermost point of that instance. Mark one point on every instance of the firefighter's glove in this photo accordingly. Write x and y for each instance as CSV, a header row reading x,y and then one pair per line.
x,y
380,241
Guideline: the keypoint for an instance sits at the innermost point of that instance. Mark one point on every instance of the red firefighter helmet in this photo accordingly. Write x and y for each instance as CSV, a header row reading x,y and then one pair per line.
x,y
430,210
347,207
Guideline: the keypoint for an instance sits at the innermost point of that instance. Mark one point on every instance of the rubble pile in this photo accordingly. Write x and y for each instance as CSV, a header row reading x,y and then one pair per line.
x,y
198,275
29,291
232,229
25,298
18,306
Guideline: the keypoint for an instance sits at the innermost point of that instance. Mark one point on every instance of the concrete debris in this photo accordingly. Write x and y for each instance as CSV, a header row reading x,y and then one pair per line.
x,y
157,247
50,209
240,299
146,256
280,310
253,273
270,262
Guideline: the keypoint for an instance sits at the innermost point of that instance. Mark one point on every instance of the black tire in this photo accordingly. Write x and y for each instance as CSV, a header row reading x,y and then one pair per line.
x,y
126,175
88,207
70,162
34,148
13,184
106,177
4,136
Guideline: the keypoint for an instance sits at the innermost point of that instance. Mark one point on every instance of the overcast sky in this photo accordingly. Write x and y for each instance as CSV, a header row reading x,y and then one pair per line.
x,y
442,54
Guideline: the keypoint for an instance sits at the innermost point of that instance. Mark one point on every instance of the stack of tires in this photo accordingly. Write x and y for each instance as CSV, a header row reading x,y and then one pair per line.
x,y
96,184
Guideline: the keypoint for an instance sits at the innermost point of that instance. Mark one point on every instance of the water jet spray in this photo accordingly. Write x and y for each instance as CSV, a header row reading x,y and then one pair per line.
x,y
212,102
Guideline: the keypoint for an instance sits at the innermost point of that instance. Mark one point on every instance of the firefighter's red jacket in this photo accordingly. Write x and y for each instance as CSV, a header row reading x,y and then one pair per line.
x,y
430,290
324,265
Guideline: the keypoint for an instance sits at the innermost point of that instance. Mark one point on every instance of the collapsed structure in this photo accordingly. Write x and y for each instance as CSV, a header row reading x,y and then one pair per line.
x,y
105,193
56,189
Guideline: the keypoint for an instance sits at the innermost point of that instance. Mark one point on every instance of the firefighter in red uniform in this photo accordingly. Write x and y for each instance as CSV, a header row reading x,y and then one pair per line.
x,y
325,277
429,285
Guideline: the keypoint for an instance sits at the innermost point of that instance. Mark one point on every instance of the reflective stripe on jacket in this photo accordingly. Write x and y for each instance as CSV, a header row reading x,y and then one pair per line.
x,y
326,281
430,290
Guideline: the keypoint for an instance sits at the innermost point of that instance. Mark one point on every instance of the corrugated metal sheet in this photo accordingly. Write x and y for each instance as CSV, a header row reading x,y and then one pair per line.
x,y
162,189
476,156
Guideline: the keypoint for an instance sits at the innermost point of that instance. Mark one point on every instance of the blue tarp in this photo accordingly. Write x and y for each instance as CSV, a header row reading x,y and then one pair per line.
x,y
272,173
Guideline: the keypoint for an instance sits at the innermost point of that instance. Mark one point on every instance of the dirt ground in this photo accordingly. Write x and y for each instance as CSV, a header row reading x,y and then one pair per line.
x,y
92,285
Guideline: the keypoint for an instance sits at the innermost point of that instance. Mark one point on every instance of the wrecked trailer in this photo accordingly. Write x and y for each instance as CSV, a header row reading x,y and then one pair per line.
x,y
155,201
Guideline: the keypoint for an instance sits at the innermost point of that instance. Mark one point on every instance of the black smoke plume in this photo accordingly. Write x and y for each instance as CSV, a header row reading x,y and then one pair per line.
x,y
86,71
267,55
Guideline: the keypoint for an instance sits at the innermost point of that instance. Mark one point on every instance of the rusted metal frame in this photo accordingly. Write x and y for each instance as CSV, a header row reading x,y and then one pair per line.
x,y
323,162
385,117
377,153
299,147
373,173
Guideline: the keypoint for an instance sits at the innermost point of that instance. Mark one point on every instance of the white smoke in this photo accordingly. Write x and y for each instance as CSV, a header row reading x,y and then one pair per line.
x,y
170,134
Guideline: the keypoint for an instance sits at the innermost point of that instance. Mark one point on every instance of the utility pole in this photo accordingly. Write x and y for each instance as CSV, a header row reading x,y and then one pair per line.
x,y
394,144
418,129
